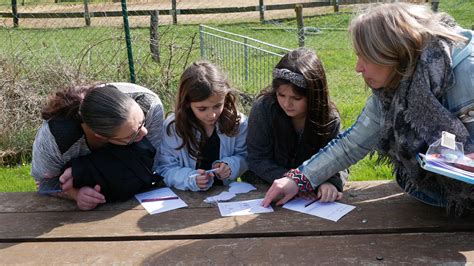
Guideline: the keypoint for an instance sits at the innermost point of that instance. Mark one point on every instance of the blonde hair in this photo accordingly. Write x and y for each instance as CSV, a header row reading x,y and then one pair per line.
x,y
395,34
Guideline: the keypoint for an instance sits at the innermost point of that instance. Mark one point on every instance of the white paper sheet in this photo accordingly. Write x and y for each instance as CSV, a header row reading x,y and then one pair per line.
x,y
158,206
223,196
328,210
241,187
246,207
234,189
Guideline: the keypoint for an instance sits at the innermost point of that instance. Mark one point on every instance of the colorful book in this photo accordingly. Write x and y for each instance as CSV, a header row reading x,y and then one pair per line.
x,y
447,169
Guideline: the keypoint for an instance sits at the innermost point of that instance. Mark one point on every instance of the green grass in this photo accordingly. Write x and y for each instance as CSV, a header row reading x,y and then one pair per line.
x,y
101,55
16,179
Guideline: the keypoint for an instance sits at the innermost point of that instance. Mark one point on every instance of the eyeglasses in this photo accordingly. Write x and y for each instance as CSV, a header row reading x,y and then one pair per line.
x,y
131,138
134,136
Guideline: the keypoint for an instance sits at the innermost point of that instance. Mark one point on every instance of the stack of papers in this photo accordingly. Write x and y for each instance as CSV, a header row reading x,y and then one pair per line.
x,y
160,200
446,169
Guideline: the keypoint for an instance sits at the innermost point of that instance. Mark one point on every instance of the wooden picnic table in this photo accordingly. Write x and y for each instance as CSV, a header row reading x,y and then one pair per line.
x,y
386,227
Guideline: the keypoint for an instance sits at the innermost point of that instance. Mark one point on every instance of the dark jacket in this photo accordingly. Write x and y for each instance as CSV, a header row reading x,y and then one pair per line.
x,y
274,147
121,171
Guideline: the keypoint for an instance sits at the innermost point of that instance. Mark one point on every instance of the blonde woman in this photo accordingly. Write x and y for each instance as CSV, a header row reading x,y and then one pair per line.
x,y
404,53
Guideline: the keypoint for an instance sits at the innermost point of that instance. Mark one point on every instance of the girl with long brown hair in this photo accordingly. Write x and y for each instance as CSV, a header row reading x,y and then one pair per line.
x,y
204,140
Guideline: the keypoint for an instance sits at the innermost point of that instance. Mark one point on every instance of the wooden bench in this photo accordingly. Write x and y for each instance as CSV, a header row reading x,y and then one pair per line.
x,y
386,226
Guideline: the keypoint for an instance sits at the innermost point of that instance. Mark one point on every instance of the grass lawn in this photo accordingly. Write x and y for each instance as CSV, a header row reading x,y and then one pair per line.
x,y
16,179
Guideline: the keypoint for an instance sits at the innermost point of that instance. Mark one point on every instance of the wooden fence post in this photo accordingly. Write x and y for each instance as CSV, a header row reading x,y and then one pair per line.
x,y
261,6
173,12
87,15
336,6
434,5
300,24
15,14
154,36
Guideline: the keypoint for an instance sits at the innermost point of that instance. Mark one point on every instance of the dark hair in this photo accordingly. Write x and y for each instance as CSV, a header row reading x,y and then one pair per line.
x,y
321,110
65,103
103,108
198,82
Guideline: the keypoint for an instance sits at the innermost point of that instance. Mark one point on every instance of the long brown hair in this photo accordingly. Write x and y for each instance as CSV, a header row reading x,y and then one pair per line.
x,y
320,112
198,82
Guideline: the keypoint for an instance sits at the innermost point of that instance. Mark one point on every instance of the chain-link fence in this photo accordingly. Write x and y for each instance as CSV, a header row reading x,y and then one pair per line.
x,y
46,44
248,62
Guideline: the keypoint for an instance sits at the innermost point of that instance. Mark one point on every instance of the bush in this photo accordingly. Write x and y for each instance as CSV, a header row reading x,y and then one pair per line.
x,y
21,99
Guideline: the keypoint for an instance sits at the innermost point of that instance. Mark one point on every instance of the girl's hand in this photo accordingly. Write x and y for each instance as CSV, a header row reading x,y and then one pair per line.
x,y
327,192
308,195
202,180
222,170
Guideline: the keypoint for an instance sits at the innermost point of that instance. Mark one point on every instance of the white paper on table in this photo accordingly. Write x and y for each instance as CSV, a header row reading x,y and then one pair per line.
x,y
155,207
223,196
245,207
328,210
240,187
234,188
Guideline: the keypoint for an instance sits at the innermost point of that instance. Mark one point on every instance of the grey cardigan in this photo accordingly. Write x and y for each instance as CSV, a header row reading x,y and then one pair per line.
x,y
59,141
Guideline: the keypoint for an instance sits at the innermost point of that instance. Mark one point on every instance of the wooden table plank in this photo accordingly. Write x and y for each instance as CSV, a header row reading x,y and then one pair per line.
x,y
426,248
33,202
388,215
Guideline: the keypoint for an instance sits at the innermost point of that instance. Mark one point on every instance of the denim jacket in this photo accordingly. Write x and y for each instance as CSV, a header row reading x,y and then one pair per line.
x,y
347,148
177,166
459,99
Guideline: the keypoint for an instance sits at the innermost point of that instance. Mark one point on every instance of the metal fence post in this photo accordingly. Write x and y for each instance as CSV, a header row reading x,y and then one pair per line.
x,y
87,16
246,59
173,12
15,14
300,24
128,40
336,6
201,42
261,6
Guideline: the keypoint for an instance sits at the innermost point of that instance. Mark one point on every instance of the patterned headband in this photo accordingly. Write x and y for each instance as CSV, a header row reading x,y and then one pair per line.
x,y
286,74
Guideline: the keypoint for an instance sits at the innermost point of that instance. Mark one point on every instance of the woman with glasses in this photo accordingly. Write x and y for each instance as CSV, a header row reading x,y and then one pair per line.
x,y
97,143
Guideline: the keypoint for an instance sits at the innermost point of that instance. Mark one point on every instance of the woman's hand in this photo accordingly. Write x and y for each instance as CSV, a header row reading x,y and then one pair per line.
x,y
221,170
203,178
285,187
66,179
327,192
88,198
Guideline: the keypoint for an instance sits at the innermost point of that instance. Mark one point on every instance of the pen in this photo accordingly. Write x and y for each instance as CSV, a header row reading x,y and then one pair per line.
x,y
309,203
207,172
159,199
